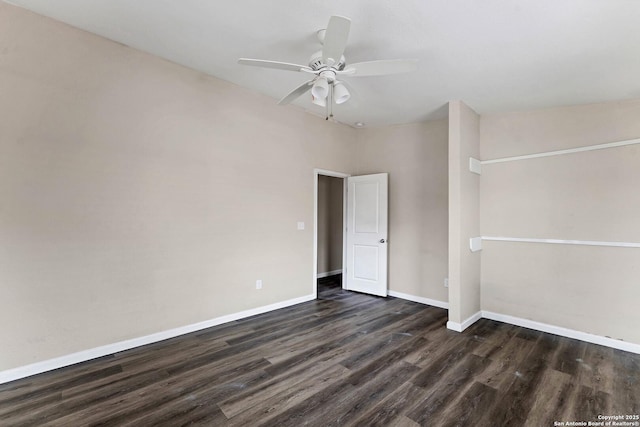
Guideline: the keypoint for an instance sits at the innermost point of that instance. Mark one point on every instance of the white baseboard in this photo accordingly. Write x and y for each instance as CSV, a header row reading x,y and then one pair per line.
x,y
82,356
459,327
454,326
328,273
421,300
545,327
564,332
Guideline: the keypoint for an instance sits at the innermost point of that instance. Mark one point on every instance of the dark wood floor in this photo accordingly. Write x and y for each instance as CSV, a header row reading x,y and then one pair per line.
x,y
344,359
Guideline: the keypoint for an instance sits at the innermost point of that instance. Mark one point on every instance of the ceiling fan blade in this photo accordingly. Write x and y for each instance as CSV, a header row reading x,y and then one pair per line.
x,y
296,93
380,68
273,64
335,39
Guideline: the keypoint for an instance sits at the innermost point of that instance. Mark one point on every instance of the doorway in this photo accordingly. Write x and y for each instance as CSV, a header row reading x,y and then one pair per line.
x,y
329,228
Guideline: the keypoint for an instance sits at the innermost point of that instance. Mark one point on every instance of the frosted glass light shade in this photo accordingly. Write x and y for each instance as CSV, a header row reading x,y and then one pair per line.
x,y
320,88
318,101
340,93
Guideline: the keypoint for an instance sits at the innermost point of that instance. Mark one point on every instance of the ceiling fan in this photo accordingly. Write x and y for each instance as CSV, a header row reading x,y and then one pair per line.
x,y
328,64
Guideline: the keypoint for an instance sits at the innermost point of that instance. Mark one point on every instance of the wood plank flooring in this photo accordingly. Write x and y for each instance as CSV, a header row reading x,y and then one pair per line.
x,y
344,359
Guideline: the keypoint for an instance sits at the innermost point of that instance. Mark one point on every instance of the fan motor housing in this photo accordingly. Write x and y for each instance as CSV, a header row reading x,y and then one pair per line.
x,y
316,63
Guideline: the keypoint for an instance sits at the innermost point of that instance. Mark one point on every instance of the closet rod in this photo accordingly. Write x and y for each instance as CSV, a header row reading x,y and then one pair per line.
x,y
567,151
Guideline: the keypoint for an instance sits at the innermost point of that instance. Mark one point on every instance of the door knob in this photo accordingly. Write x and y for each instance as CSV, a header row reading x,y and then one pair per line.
x,y
382,240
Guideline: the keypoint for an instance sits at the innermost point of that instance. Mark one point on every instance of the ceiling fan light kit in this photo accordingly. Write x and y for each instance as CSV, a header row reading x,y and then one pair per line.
x,y
329,63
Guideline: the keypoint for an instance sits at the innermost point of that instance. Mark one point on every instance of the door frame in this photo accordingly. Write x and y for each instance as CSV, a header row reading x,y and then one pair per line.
x,y
344,176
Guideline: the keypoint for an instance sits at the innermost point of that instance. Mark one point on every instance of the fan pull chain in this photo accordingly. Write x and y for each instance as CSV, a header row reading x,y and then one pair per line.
x,y
330,103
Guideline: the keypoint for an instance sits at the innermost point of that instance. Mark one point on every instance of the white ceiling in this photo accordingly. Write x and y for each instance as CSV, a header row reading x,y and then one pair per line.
x,y
496,55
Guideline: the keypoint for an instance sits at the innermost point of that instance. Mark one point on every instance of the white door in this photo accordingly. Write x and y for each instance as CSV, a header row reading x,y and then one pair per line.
x,y
367,234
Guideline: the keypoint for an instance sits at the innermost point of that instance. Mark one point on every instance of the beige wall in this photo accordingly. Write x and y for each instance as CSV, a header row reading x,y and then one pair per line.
x,y
415,156
464,220
583,196
137,195
330,230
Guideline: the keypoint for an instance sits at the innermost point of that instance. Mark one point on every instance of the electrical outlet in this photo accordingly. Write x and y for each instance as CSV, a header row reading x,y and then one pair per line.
x,y
259,284
446,282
